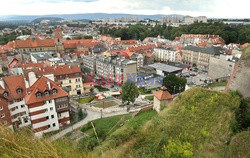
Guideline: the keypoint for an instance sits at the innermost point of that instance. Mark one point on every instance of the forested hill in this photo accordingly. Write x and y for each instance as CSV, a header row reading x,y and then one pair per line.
x,y
231,34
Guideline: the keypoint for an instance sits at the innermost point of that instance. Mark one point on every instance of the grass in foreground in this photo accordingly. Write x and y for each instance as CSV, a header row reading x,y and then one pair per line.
x,y
23,144
197,124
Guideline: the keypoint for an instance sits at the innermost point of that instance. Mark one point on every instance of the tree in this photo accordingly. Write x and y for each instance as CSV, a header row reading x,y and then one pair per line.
x,y
174,84
80,114
243,114
129,92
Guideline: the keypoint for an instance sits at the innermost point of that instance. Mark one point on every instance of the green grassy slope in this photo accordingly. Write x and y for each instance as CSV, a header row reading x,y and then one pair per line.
x,y
22,145
198,124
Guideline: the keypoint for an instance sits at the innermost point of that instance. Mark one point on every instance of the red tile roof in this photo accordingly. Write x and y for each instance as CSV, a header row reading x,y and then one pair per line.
x,y
12,83
142,47
40,86
122,53
124,42
29,43
73,44
163,94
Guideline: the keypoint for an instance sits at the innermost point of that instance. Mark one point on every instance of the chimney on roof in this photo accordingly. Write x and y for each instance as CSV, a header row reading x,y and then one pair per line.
x,y
48,83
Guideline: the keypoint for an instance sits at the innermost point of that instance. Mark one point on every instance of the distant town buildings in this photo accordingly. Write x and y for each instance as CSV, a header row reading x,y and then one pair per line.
x,y
200,57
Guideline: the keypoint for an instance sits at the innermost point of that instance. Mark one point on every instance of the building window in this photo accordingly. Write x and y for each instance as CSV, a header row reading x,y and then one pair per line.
x,y
21,99
1,107
2,115
51,108
54,91
54,124
46,93
52,116
38,94
47,117
69,81
5,94
19,91
22,106
48,126
4,122
16,107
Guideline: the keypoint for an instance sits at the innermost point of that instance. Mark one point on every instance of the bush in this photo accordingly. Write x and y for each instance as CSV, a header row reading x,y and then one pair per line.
x,y
243,114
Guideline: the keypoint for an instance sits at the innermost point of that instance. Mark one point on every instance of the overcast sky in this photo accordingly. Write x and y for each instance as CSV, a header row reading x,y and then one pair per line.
x,y
209,8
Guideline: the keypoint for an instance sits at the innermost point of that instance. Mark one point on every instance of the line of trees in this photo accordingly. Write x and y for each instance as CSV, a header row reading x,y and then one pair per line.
x,y
231,34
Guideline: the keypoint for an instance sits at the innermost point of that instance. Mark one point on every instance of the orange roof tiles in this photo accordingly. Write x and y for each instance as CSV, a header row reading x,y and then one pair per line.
x,y
12,83
29,43
72,44
163,94
40,86
142,47
124,42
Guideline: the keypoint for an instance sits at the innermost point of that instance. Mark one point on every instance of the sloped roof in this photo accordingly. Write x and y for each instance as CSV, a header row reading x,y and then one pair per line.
x,y
72,44
12,83
163,94
40,86
34,43
210,50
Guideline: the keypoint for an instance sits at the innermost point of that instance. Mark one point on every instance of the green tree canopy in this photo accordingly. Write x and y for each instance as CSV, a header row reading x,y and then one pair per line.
x,y
174,84
129,92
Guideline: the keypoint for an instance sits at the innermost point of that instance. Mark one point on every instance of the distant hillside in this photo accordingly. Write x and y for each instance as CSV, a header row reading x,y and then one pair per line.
x,y
89,16
52,19
240,79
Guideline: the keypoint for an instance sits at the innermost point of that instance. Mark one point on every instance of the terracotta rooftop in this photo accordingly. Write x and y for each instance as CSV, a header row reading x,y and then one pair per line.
x,y
163,94
41,85
73,44
34,43
12,83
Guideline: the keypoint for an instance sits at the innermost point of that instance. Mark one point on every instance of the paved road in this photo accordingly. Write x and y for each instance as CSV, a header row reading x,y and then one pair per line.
x,y
90,117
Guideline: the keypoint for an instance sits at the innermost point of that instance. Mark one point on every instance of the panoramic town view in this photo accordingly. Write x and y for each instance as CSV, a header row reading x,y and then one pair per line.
x,y
125,79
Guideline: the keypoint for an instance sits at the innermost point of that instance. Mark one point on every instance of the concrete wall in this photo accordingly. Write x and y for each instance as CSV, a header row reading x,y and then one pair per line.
x,y
219,68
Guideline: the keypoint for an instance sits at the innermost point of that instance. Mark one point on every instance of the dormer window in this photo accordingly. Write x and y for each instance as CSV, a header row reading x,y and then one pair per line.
x,y
19,91
38,94
46,93
54,91
5,94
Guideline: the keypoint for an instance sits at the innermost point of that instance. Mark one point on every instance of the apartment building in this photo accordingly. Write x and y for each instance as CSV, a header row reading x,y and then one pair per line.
x,y
202,19
44,106
189,19
48,106
89,63
200,57
115,69
69,77
13,90
163,54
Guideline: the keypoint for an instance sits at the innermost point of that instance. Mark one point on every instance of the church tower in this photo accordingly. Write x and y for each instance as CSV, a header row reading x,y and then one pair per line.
x,y
58,38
